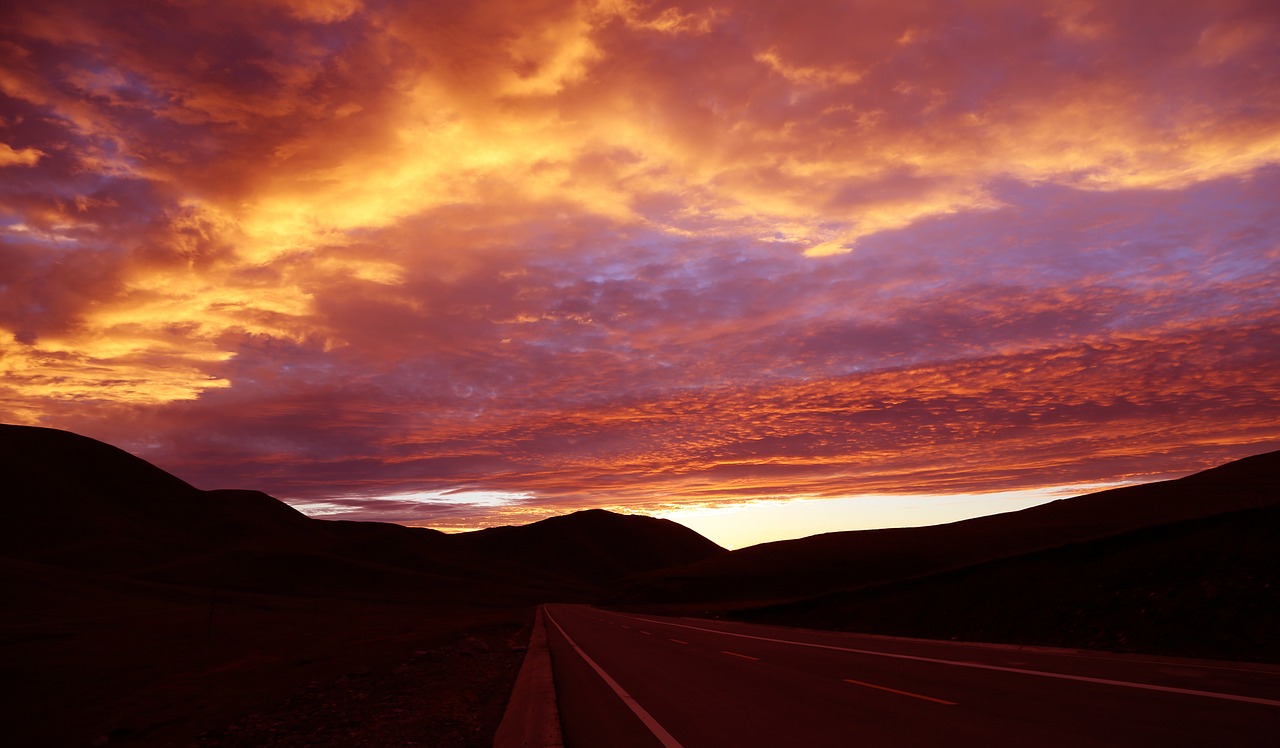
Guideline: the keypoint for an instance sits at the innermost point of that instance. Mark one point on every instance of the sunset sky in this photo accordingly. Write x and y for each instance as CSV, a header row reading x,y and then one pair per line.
x,y
765,268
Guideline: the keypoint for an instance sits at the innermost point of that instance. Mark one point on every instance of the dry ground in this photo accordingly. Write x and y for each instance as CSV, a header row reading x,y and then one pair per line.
x,y
93,664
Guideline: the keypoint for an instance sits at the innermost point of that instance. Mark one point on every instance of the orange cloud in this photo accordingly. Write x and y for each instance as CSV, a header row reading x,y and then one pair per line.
x,y
24,157
559,231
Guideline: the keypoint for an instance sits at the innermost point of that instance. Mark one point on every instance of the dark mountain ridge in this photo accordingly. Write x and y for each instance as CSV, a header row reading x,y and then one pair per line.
x,y
78,503
1206,587
797,569
594,544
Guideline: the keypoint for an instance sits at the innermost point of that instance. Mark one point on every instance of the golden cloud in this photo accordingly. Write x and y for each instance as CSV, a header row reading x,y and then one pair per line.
x,y
494,193
23,157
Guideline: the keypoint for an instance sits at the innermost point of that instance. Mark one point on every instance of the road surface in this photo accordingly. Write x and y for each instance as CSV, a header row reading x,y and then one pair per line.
x,y
630,680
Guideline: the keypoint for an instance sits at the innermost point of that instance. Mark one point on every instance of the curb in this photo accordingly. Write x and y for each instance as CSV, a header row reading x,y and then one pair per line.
x,y
532,719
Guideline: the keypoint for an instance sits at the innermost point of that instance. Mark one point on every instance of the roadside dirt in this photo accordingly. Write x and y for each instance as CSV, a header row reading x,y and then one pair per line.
x,y
449,696
150,667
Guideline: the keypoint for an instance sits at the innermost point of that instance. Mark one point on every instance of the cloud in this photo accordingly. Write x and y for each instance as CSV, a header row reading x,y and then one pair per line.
x,y
23,157
604,252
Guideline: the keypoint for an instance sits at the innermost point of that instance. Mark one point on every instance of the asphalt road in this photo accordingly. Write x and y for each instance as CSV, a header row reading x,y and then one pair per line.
x,y
626,680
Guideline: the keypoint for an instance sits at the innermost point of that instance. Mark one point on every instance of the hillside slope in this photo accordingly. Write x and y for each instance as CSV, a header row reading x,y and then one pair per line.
x,y
594,545
76,503
1207,587
798,569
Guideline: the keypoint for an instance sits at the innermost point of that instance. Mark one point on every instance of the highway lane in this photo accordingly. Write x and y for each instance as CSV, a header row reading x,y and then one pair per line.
x,y
629,680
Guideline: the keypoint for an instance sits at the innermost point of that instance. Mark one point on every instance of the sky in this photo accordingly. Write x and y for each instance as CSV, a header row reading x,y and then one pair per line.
x,y
765,268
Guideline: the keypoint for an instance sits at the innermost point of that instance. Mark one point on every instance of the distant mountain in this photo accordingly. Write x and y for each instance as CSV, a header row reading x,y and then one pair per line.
x,y
1206,587
798,569
76,503
595,545
85,516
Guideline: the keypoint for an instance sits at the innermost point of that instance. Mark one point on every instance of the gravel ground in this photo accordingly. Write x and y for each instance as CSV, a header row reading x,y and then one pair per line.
x,y
451,696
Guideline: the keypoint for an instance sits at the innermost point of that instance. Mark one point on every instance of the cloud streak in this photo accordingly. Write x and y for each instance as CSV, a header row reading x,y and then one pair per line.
x,y
638,254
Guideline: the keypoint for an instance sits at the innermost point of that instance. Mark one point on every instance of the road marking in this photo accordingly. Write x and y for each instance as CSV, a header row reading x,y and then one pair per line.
x,y
1080,654
658,730
980,666
745,657
677,641
904,693
646,633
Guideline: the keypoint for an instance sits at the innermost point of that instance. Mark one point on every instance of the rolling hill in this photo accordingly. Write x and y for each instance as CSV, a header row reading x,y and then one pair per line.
x,y
1207,587
77,503
792,570
598,546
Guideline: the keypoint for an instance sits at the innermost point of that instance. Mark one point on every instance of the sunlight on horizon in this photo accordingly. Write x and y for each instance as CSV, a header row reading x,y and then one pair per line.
x,y
751,523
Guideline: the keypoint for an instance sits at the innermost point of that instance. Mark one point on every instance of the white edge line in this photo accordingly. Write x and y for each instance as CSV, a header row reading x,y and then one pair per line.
x,y
658,730
912,694
981,666
1083,654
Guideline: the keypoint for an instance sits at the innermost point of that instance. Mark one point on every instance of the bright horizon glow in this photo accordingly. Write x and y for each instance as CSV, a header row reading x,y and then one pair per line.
x,y
739,525
482,262
749,524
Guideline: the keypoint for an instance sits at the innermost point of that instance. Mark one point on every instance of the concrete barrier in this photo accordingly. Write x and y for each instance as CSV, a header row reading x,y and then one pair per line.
x,y
532,719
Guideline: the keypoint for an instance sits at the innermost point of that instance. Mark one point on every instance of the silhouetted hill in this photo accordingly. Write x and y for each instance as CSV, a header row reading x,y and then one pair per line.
x,y
1207,587
77,503
595,545
74,502
798,569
